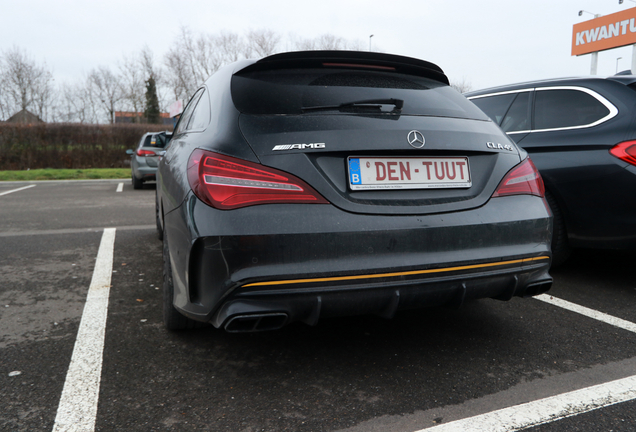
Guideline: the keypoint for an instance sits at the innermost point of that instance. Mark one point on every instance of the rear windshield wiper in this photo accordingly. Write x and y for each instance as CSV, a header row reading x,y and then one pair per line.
x,y
374,104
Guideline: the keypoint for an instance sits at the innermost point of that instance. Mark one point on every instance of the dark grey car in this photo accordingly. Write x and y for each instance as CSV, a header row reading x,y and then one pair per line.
x,y
327,183
145,159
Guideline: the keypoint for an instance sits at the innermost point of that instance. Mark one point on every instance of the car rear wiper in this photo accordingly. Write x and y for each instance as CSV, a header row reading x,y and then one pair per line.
x,y
375,104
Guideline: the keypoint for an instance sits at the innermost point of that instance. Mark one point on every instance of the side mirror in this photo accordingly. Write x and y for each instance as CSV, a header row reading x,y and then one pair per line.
x,y
130,152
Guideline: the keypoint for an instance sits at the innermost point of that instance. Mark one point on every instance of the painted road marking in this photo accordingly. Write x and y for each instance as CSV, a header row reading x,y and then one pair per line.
x,y
591,313
557,407
120,187
78,405
546,410
16,190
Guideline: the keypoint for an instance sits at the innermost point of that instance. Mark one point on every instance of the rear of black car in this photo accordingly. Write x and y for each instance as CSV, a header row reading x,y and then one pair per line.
x,y
340,183
581,134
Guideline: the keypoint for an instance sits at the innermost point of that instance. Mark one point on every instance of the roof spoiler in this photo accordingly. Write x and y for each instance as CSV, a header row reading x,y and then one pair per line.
x,y
350,60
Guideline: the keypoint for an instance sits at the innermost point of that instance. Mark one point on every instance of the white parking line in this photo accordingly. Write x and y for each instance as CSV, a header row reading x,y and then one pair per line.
x,y
546,410
557,407
16,190
591,313
120,187
78,405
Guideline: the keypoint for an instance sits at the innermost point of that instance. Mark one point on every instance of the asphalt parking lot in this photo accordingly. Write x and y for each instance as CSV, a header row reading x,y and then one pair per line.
x,y
488,366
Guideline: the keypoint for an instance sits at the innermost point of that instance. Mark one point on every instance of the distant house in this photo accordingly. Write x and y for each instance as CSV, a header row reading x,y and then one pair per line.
x,y
24,117
138,117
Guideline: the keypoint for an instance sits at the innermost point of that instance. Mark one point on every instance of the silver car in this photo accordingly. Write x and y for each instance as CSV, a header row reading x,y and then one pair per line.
x,y
146,158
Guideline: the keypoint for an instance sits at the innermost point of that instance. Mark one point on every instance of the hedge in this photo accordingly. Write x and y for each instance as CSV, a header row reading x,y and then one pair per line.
x,y
67,145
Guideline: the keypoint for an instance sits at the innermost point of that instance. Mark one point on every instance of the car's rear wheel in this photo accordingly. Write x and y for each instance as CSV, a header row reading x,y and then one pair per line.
x,y
172,319
137,183
560,246
158,221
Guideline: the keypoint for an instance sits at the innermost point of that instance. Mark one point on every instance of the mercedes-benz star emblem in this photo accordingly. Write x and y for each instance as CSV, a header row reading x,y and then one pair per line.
x,y
416,139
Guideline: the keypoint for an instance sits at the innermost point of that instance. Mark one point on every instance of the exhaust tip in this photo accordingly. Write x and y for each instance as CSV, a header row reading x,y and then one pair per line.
x,y
537,288
255,322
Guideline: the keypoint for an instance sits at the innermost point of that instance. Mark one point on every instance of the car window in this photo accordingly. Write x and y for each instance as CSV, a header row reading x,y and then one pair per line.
x,y
201,115
561,108
495,107
158,140
518,116
146,141
187,113
306,91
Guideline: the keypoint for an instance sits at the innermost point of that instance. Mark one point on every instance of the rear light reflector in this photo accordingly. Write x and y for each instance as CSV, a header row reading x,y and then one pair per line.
x,y
625,151
145,153
227,183
524,179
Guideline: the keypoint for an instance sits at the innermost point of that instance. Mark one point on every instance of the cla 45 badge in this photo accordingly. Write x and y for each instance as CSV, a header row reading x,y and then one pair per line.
x,y
492,145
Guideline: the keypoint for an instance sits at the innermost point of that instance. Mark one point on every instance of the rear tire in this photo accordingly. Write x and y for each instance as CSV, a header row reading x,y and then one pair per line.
x,y
158,221
172,319
560,246
137,183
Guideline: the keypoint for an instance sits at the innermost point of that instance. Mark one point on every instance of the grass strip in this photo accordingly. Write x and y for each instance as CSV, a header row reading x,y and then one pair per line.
x,y
65,174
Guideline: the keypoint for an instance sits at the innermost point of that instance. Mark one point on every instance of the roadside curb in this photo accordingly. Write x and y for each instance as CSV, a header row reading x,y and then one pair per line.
x,y
62,181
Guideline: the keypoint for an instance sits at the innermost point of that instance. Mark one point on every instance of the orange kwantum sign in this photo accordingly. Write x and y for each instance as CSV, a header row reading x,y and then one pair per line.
x,y
606,32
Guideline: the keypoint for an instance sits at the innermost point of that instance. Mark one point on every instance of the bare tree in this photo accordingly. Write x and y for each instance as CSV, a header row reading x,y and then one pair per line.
x,y
262,42
462,86
25,84
132,82
193,59
231,47
325,42
76,103
106,89
181,66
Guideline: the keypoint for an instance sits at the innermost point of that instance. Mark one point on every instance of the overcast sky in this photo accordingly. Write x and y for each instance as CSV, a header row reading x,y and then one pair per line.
x,y
484,42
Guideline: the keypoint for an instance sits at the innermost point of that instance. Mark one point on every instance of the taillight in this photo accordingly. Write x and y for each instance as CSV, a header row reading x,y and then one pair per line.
x,y
625,151
524,179
141,152
226,183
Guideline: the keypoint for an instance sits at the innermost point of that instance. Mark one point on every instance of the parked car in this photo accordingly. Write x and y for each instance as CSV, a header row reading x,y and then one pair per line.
x,y
581,134
145,159
329,183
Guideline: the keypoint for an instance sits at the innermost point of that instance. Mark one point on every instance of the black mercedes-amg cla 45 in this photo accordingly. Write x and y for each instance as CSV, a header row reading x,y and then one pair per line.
x,y
330,183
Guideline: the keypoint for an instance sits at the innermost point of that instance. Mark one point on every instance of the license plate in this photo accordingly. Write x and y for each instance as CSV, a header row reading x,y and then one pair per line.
x,y
408,173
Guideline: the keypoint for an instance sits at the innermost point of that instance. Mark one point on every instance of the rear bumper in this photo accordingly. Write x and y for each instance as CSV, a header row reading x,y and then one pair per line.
x,y
260,268
252,309
142,171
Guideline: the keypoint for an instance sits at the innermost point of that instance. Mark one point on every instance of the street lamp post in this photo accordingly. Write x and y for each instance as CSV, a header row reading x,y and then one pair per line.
x,y
633,70
617,59
594,64
370,42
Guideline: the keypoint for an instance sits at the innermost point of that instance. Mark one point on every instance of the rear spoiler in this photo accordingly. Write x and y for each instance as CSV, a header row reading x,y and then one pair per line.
x,y
349,60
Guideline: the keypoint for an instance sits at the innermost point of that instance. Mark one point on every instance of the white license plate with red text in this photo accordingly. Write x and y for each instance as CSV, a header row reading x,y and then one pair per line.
x,y
408,173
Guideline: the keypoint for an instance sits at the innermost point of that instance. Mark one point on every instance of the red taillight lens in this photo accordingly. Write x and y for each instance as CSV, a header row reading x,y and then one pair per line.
x,y
226,183
145,153
625,151
524,179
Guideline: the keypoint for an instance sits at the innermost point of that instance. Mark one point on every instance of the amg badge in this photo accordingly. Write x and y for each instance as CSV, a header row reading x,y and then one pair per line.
x,y
299,146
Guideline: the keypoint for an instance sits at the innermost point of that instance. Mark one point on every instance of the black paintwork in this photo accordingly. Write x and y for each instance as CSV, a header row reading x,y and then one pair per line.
x,y
214,253
594,190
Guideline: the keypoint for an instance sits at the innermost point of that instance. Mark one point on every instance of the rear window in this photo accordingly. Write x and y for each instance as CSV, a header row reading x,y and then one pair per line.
x,y
306,91
156,140
566,108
